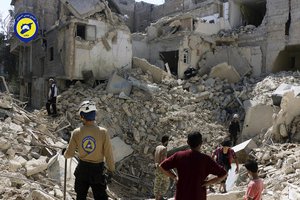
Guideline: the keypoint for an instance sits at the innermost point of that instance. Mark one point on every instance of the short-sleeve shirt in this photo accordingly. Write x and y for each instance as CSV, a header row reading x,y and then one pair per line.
x,y
254,190
231,155
193,168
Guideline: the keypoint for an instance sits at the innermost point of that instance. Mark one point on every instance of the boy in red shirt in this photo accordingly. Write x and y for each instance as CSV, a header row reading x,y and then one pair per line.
x,y
256,185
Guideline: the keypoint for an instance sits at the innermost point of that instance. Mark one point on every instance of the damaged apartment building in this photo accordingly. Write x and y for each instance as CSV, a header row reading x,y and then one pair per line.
x,y
245,36
226,38
76,41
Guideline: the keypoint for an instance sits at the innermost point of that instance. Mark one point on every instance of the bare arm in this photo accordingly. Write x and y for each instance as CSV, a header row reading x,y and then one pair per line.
x,y
214,180
169,173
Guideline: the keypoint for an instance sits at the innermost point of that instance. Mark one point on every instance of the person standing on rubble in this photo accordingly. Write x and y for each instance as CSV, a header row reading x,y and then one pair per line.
x,y
234,129
193,167
162,182
52,94
256,185
94,146
224,156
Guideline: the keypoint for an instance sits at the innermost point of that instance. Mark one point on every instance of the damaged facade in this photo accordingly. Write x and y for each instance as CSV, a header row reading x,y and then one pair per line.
x,y
248,37
253,36
73,40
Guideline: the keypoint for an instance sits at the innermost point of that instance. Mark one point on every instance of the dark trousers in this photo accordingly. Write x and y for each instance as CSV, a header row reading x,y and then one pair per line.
x,y
233,138
90,175
51,102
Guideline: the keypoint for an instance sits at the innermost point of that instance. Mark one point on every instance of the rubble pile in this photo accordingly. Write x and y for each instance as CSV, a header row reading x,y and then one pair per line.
x,y
144,117
139,119
261,90
25,148
279,164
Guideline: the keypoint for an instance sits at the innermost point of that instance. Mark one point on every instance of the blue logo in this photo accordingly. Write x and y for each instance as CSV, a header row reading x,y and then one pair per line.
x,y
88,144
26,27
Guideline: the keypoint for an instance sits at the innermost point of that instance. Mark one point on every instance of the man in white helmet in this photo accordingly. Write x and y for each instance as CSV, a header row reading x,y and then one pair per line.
x,y
94,146
234,129
52,94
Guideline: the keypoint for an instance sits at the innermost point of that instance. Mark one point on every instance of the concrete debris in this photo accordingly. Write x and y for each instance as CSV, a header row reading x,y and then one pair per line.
x,y
243,149
281,90
156,73
225,71
230,55
120,149
173,107
117,84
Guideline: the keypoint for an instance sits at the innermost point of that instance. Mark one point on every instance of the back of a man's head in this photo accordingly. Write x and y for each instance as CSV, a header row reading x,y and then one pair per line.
x,y
194,139
164,139
252,166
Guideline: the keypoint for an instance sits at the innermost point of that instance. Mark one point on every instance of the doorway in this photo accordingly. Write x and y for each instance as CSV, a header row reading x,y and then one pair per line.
x,y
170,57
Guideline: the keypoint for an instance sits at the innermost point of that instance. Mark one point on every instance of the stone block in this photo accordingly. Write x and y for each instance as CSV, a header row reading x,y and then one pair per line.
x,y
258,118
157,73
120,149
56,169
4,144
281,90
225,71
35,166
242,150
232,56
40,195
14,165
117,84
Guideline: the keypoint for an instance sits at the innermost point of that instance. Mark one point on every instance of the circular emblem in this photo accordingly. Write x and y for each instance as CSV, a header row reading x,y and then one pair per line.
x,y
89,144
26,27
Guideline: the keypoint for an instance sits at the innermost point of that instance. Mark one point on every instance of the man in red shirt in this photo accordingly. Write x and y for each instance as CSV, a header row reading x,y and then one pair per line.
x,y
193,167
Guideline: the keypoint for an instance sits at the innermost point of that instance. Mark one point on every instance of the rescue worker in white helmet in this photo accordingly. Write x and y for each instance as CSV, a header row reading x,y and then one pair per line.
x,y
94,146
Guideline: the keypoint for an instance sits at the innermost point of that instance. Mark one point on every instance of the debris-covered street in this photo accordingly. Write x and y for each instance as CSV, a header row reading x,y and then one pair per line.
x,y
151,70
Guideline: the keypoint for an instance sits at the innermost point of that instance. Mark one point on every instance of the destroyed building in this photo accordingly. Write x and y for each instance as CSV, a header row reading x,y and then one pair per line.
x,y
72,41
246,37
252,34
226,41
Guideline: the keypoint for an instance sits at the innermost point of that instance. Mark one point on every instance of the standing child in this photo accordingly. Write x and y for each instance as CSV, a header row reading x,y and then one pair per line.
x,y
224,156
256,185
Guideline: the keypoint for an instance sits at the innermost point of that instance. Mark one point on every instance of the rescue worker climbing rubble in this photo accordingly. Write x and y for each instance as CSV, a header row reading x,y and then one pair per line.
x,y
94,146
52,94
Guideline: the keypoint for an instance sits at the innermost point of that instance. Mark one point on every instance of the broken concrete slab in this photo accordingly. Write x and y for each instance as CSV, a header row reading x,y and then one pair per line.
x,y
81,10
14,165
35,166
225,71
157,73
281,90
40,195
117,84
230,55
5,104
151,88
120,149
4,144
56,169
258,119
243,149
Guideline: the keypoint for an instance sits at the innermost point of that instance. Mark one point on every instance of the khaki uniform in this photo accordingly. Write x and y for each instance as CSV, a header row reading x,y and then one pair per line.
x,y
93,145
162,182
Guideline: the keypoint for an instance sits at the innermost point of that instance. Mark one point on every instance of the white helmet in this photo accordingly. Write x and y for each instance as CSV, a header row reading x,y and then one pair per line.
x,y
86,107
235,116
